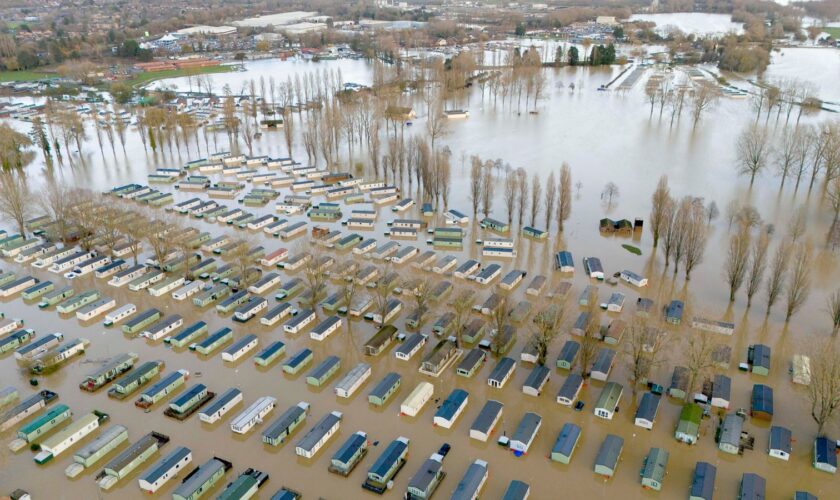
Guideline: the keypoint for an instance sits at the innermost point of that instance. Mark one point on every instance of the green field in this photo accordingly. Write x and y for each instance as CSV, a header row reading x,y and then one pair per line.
x,y
146,77
834,32
21,76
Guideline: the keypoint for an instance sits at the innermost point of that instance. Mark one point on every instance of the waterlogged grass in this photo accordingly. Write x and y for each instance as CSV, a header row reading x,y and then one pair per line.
x,y
632,249
21,76
834,32
150,76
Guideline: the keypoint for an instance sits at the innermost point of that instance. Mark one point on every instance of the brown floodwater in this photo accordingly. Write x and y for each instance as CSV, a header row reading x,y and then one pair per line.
x,y
605,137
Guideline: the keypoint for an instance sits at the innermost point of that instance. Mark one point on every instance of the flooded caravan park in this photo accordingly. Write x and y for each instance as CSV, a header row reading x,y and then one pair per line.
x,y
605,136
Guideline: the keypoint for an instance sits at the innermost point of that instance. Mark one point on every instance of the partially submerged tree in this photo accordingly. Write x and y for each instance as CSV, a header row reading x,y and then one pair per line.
x,y
564,201
754,151
800,281
824,389
834,311
660,200
778,271
643,349
699,359
546,328
461,305
15,198
737,261
758,264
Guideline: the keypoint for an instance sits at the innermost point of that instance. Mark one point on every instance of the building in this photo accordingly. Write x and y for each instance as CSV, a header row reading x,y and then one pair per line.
x,y
319,435
570,389
349,454
427,478
729,434
202,480
688,427
761,402
758,357
525,433
517,490
608,454
780,443
647,410
165,469
536,380
608,400
703,482
387,465
568,355
752,487
385,389
485,423
473,481
653,468
825,455
451,408
564,446
603,364
277,432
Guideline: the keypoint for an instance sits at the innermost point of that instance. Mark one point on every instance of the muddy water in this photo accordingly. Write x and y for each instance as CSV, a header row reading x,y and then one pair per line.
x,y
605,137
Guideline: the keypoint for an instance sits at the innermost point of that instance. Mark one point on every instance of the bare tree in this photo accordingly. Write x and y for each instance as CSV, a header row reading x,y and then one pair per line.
x,y
15,198
476,179
824,389
643,349
546,328
247,127
712,212
383,290
536,196
800,281
501,318
660,200
461,305
314,274
680,229
787,152
488,187
699,360
422,295
695,237
609,193
758,264
564,201
550,199
55,201
511,192
778,271
589,342
833,303
754,150
737,261
704,98
798,223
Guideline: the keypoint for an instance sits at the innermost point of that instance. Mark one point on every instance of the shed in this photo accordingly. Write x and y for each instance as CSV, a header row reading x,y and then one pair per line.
x,y
607,404
568,355
525,433
729,434
566,443
752,487
703,482
825,455
646,412
758,356
779,445
761,402
536,380
570,389
688,427
608,455
653,468
485,423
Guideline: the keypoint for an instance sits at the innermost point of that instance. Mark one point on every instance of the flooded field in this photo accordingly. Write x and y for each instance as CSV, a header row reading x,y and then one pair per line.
x,y
605,137
696,23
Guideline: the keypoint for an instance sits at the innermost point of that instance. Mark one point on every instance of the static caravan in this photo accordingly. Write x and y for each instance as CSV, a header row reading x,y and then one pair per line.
x,y
567,441
164,469
207,297
16,286
188,290
608,455
298,362
113,268
536,380
53,257
380,340
77,302
512,279
319,435
249,309
404,255
9,325
253,415
593,267
455,217
37,290
488,274
349,454
186,337
166,286
603,364
468,268
130,459
653,469
39,346
92,264
414,403
138,323
14,340
392,310
646,412
221,406
146,280
525,433
26,408
410,346
163,327
387,465
608,400
355,378
34,430
162,388
494,225
233,302
386,250
779,445
570,389
273,258
471,363
501,373
300,322
115,367
71,261
240,348
708,325
214,341
703,482
445,264
91,453
473,481
633,278
365,246
135,379
451,408
325,328
202,479
324,371
385,389
276,433
485,423
59,443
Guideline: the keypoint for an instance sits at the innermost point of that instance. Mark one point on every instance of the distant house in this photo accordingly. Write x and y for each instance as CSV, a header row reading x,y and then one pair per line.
x,y
780,443
646,412
729,434
761,402
608,454
752,487
703,482
825,455
653,469
400,113
688,427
